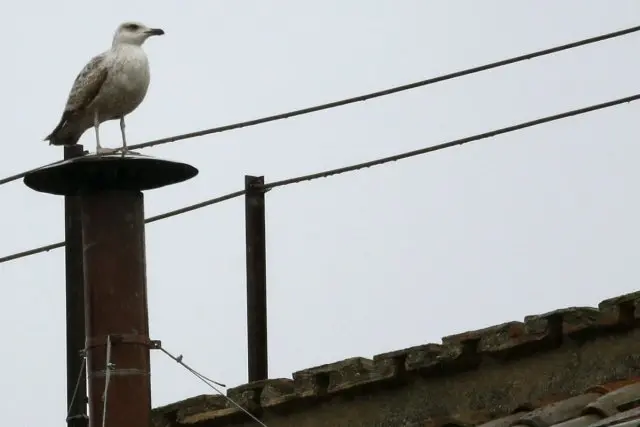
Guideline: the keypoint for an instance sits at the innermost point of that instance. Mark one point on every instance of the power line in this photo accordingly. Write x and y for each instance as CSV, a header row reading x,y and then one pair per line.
x,y
390,91
30,252
449,144
359,166
190,208
368,96
194,207
22,174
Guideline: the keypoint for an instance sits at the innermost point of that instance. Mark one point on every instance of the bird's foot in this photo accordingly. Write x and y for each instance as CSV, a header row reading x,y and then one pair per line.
x,y
101,150
125,151
121,150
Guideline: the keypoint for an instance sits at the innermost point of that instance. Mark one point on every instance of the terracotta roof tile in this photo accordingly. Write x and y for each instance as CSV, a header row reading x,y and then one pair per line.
x,y
630,415
605,388
507,421
618,400
582,421
557,412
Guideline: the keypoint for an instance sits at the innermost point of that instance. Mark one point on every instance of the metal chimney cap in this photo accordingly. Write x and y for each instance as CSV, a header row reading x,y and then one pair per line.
x,y
108,172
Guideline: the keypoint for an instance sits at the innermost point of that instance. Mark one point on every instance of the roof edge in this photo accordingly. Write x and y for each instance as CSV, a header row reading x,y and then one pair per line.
x,y
457,353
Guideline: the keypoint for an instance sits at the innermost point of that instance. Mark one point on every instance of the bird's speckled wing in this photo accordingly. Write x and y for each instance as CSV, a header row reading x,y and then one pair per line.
x,y
88,83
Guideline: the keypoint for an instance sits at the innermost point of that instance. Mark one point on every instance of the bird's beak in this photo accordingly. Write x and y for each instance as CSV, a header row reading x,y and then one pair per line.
x,y
155,31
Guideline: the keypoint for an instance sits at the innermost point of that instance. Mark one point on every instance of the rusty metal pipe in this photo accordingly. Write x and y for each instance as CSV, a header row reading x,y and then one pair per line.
x,y
116,306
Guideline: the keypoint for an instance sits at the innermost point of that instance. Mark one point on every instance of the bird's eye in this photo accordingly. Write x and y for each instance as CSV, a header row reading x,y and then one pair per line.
x,y
133,27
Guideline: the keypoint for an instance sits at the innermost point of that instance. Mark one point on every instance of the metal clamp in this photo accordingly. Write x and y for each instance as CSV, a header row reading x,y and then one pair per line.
x,y
122,339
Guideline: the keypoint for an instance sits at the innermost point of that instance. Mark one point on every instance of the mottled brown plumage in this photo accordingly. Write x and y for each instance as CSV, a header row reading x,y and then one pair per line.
x,y
85,89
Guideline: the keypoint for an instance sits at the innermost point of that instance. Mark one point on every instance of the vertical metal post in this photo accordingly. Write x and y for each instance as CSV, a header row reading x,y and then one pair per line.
x,y
74,275
116,307
256,278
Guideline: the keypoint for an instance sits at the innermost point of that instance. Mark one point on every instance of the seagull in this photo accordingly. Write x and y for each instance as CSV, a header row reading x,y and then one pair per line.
x,y
109,87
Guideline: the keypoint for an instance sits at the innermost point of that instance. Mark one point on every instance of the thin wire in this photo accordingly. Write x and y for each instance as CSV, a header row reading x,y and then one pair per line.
x,y
359,166
390,91
75,390
210,383
371,95
22,174
194,207
449,144
33,251
107,377
179,360
165,215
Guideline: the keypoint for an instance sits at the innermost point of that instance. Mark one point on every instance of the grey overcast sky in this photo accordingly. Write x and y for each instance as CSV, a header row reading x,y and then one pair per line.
x,y
358,264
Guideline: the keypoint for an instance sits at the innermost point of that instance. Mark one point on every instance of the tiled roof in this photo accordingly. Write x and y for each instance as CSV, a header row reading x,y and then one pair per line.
x,y
574,367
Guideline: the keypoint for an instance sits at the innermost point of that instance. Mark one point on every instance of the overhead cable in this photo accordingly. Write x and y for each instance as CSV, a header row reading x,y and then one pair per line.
x,y
359,166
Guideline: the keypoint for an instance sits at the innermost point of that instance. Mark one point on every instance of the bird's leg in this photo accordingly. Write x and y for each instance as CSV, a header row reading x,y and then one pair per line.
x,y
124,137
96,126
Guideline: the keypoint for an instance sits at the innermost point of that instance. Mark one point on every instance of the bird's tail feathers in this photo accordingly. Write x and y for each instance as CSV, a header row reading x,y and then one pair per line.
x,y
62,135
69,139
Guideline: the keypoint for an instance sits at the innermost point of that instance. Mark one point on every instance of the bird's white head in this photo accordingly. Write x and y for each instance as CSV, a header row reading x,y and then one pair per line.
x,y
134,33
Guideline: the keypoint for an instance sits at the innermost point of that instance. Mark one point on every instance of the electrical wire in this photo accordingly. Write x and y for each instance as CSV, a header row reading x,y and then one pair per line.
x,y
22,174
364,165
392,90
368,96
165,215
30,252
211,384
196,206
453,143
